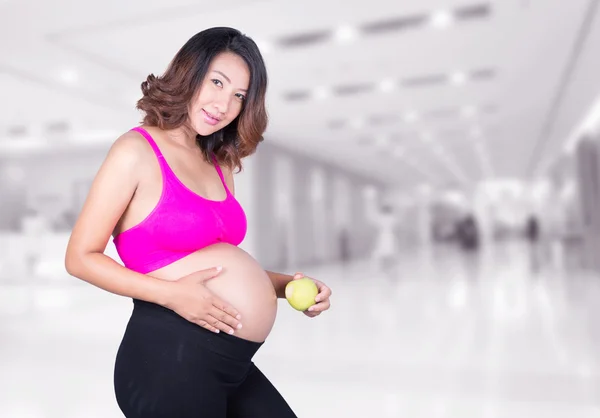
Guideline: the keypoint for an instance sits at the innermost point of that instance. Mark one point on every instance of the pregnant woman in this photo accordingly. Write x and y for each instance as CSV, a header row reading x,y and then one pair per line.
x,y
202,306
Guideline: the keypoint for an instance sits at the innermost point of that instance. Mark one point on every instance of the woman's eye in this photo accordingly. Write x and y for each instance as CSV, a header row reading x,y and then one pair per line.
x,y
217,82
241,96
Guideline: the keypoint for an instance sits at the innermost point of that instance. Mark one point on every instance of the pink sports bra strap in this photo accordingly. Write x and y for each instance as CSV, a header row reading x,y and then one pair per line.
x,y
150,141
218,167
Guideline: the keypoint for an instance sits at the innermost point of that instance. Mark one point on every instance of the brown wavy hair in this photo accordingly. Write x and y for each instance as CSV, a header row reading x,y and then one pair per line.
x,y
166,98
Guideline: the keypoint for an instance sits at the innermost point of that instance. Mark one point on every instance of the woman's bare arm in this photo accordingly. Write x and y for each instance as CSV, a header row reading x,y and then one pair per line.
x,y
111,191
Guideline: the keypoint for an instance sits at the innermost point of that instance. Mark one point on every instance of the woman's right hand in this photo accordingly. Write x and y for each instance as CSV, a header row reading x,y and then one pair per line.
x,y
193,301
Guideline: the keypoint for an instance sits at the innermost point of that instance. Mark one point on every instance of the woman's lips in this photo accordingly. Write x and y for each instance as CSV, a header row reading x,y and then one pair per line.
x,y
210,119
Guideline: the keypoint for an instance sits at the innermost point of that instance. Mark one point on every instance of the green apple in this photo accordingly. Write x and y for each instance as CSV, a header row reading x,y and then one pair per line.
x,y
301,293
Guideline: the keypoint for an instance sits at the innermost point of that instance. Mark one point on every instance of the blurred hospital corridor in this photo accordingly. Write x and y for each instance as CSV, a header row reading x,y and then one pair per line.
x,y
436,163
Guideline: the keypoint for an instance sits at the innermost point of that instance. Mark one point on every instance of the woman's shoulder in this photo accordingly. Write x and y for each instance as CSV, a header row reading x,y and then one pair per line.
x,y
131,148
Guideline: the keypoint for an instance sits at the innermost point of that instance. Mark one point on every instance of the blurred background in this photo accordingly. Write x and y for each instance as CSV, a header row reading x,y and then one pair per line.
x,y
436,162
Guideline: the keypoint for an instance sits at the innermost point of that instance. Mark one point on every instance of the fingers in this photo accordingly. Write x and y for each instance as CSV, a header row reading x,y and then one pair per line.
x,y
322,300
324,293
228,318
219,325
218,321
208,273
203,275
320,307
224,321
219,304
206,325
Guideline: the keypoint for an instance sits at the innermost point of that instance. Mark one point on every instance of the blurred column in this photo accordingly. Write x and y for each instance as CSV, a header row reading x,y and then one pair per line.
x,y
341,216
373,199
285,211
304,222
278,238
328,206
589,186
323,228
424,199
480,202
362,230
356,200
246,193
407,216
13,195
13,208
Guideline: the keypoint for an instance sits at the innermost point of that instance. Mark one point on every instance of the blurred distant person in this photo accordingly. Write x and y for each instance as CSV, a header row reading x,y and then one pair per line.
x,y
532,229
468,233
532,234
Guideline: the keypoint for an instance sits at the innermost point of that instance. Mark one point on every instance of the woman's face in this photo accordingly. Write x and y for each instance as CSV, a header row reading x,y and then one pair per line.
x,y
221,96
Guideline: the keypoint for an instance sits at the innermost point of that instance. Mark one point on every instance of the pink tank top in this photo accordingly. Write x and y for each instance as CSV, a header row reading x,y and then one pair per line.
x,y
181,223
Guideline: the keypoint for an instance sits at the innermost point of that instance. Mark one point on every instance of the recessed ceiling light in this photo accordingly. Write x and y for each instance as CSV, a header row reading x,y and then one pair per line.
x,y
441,19
69,76
458,78
387,85
322,93
346,33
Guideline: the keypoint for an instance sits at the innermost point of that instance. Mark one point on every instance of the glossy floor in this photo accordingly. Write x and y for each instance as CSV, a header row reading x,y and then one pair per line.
x,y
447,334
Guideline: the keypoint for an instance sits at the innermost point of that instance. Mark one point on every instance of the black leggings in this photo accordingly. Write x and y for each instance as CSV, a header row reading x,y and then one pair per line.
x,y
167,367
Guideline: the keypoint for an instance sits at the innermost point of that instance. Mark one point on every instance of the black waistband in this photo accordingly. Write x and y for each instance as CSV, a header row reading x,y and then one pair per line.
x,y
222,343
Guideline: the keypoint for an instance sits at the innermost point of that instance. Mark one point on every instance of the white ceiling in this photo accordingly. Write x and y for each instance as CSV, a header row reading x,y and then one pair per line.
x,y
537,61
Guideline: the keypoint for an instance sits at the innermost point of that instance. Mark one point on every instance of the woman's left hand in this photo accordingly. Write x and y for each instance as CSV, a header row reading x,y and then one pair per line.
x,y
322,298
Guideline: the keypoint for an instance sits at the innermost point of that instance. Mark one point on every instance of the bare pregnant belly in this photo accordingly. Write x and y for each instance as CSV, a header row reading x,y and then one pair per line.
x,y
242,283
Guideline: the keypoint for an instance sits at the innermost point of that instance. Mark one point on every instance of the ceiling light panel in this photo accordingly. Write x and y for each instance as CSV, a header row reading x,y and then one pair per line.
x,y
441,19
346,33
297,95
305,39
352,89
394,24
472,12
17,131
483,74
